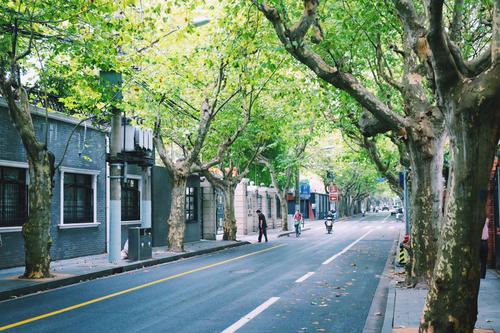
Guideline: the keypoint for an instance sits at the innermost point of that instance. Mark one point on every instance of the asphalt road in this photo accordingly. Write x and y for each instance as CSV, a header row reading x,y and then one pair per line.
x,y
315,283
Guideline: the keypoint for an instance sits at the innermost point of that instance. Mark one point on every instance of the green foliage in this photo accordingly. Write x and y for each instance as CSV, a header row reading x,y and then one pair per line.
x,y
170,66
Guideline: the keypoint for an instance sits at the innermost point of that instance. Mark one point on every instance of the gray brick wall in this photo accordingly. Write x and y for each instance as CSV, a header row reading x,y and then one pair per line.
x,y
67,243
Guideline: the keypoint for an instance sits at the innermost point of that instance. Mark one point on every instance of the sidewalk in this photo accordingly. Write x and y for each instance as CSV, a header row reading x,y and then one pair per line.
x,y
404,306
71,271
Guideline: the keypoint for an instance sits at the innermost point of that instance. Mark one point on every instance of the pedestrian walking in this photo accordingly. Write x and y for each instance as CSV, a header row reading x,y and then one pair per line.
x,y
262,225
297,219
483,252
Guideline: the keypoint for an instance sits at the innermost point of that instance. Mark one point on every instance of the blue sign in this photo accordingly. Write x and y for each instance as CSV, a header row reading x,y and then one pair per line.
x,y
305,191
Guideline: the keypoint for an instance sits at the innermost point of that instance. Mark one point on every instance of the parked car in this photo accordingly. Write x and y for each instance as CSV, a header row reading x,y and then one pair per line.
x,y
394,210
385,208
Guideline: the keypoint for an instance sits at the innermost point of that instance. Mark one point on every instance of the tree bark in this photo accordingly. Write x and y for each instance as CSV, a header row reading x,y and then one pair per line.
x,y
36,230
451,304
284,211
230,227
426,202
177,218
470,106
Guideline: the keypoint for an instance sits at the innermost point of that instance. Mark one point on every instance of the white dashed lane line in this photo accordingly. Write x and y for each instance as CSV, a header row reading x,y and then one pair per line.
x,y
303,278
326,262
246,318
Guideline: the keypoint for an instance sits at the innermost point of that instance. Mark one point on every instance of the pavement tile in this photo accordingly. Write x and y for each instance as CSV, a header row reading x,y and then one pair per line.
x,y
409,303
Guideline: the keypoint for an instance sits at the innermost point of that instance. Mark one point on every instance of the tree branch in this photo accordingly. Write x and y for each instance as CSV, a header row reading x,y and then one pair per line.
x,y
381,62
206,118
229,141
495,41
160,148
274,178
219,84
372,150
445,69
456,23
341,80
236,92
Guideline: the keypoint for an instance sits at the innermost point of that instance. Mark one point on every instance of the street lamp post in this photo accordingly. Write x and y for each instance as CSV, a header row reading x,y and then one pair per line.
x,y
407,216
112,82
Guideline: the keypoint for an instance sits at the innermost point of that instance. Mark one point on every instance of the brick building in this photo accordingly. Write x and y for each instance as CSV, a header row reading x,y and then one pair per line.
x,y
78,225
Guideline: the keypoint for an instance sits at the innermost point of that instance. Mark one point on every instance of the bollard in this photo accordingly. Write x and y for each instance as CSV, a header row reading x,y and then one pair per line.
x,y
402,255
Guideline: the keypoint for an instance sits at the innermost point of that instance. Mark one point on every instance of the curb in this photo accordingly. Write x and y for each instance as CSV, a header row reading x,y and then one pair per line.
x,y
382,300
391,296
5,295
389,311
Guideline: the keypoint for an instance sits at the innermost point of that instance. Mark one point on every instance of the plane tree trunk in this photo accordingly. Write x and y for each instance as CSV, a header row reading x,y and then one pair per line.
x,y
36,230
469,93
177,219
230,227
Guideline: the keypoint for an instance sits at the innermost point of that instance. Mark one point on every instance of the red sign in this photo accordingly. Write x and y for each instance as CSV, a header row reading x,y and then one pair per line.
x,y
334,196
332,189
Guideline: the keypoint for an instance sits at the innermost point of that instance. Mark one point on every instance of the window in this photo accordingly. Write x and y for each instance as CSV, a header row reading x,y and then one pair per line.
x,y
13,197
269,211
191,210
78,198
278,207
131,198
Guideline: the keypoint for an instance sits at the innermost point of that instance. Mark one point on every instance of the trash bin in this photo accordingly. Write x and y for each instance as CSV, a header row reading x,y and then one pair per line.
x,y
139,243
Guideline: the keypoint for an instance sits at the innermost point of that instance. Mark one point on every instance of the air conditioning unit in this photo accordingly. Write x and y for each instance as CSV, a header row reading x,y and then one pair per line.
x,y
128,133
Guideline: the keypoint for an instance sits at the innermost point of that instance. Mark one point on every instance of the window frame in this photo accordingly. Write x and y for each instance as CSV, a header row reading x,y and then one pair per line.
x,y
89,172
259,202
277,200
139,187
194,195
19,165
269,203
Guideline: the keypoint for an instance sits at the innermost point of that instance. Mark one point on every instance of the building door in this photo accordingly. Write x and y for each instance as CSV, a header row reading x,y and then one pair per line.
x,y
304,208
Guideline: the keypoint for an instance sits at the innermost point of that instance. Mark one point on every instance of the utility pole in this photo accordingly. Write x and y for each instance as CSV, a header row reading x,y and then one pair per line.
x,y
407,215
112,81
297,190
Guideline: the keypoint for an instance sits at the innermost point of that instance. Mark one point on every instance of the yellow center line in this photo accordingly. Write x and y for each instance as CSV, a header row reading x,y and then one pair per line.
x,y
99,299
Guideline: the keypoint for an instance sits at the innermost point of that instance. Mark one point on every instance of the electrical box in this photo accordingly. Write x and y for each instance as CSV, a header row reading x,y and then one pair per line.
x,y
139,243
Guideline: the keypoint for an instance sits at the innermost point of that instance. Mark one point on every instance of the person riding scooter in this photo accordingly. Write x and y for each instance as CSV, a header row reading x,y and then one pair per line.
x,y
329,221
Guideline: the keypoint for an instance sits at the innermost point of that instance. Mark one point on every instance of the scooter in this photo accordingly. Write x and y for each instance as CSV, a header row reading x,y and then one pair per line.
x,y
329,224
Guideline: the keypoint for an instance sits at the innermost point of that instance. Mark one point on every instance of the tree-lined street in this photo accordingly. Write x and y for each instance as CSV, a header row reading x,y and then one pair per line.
x,y
213,292
131,128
